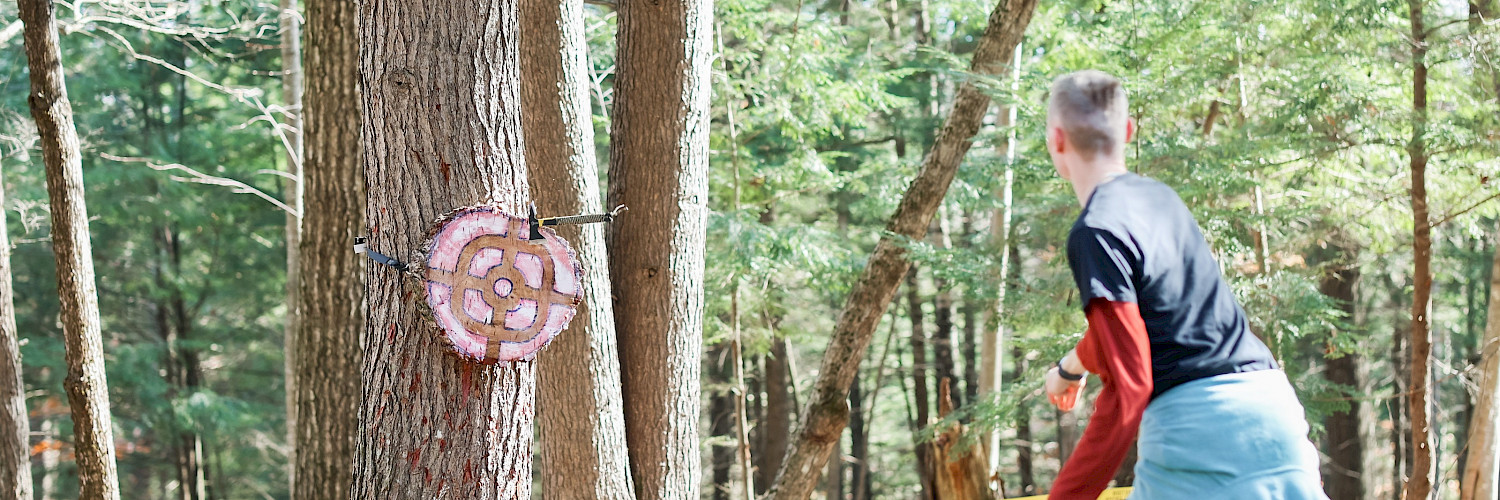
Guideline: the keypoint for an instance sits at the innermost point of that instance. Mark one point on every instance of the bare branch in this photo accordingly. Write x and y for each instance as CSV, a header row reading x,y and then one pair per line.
x,y
240,93
243,94
195,176
1451,216
10,32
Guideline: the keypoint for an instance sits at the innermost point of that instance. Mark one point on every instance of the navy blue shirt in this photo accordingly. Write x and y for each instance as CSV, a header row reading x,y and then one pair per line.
x,y
1135,241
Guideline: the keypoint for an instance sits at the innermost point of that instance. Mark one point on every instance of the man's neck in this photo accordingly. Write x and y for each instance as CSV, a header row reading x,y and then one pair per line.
x,y
1088,178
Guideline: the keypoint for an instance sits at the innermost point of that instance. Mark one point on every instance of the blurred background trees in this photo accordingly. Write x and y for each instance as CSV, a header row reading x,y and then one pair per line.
x,y
1287,126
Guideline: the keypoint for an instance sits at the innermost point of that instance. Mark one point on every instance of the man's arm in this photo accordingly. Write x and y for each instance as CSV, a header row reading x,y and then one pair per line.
x,y
1118,349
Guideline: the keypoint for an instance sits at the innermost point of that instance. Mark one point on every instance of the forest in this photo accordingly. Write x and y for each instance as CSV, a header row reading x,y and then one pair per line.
x,y
840,270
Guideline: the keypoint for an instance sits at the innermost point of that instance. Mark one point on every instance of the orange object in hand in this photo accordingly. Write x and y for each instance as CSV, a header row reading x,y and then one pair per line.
x,y
1068,399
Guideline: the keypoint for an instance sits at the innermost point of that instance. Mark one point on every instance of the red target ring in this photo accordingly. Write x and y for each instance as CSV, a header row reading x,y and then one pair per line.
x,y
496,295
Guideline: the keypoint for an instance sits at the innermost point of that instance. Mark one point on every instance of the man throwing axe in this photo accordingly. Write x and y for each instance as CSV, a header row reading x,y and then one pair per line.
x,y
1217,419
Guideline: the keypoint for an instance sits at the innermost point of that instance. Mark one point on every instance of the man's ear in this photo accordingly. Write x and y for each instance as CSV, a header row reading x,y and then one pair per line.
x,y
1059,139
1129,129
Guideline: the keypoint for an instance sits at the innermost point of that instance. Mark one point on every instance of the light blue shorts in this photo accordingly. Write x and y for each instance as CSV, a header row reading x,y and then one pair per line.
x,y
1232,437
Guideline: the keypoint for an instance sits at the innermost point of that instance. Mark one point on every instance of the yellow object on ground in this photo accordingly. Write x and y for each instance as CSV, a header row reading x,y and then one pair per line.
x,y
1109,494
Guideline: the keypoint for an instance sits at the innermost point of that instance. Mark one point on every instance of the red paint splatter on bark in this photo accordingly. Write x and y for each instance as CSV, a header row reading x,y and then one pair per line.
x,y
468,369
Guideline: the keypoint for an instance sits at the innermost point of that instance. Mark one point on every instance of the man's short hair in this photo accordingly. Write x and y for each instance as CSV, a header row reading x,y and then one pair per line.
x,y
1090,107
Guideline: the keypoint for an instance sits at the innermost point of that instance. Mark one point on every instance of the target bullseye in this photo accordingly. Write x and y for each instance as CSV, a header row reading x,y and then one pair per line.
x,y
496,294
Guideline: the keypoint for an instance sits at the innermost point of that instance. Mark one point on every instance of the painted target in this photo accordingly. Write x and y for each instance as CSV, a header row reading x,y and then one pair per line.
x,y
496,295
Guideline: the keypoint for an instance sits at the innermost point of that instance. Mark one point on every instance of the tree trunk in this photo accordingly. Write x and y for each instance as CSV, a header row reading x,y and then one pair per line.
x,y
776,426
961,476
859,444
1419,486
1125,475
863,487
581,424
721,426
291,95
51,459
827,410
833,480
88,393
969,311
942,335
1002,229
1481,470
1023,431
659,169
441,101
926,470
1067,435
970,349
183,372
1343,475
1400,423
326,351
15,423
942,320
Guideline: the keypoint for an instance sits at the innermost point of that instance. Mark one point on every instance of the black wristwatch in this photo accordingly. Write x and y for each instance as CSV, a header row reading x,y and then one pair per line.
x,y
1063,372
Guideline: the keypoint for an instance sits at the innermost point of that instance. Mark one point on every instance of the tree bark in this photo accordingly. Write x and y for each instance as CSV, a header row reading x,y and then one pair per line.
x,y
15,423
721,426
942,323
776,427
1401,457
859,444
291,95
1419,485
864,487
581,424
659,169
1002,229
1023,431
970,350
961,476
926,469
1067,435
1343,475
441,102
827,410
327,351
1481,470
833,480
88,392
51,458
1125,474
183,370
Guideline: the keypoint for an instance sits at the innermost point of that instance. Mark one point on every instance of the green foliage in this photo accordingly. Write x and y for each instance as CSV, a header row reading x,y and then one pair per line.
x,y
1283,125
190,276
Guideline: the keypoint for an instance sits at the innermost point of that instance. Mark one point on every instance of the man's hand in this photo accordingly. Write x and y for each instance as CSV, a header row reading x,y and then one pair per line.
x,y
1063,393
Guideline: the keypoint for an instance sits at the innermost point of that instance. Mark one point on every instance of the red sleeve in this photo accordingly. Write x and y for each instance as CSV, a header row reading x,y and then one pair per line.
x,y
1117,348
